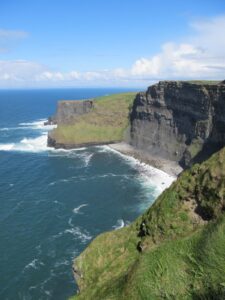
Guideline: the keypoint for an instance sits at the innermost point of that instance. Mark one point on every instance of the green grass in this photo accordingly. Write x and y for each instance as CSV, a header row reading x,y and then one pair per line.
x,y
105,123
183,256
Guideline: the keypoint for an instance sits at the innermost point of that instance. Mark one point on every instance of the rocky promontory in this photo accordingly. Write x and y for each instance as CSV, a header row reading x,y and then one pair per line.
x,y
91,122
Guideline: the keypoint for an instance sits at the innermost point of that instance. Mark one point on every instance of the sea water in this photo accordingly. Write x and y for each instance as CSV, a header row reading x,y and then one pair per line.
x,y
54,202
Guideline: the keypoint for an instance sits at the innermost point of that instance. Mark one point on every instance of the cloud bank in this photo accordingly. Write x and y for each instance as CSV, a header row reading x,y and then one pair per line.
x,y
199,56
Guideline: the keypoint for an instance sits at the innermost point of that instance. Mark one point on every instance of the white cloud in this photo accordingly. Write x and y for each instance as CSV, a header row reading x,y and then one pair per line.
x,y
199,56
19,70
175,60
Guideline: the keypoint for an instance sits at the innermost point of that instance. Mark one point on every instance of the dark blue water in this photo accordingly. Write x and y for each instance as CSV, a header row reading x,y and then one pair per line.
x,y
53,203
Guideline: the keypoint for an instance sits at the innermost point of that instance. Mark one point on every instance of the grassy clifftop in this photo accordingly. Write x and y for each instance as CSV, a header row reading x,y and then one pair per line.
x,y
175,250
106,122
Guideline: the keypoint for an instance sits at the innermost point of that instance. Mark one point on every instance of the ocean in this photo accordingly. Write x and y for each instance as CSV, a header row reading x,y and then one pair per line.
x,y
54,202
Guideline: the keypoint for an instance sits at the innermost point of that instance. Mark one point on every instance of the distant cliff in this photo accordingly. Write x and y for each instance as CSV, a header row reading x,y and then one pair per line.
x,y
181,121
98,121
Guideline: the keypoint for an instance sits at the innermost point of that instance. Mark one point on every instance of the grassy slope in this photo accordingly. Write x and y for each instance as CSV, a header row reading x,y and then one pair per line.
x,y
183,255
106,122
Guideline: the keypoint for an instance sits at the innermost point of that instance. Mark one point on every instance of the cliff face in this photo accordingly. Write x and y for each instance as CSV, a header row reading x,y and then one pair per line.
x,y
181,121
68,111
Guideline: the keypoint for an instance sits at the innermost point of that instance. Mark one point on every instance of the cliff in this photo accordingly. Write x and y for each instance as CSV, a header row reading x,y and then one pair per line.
x,y
176,120
69,111
175,250
98,121
182,121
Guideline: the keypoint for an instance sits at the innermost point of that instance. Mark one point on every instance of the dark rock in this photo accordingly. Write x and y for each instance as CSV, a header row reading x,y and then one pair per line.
x,y
181,121
139,246
51,121
68,111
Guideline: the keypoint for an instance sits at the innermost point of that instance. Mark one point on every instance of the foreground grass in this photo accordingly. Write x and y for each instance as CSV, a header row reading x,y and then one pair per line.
x,y
182,253
105,123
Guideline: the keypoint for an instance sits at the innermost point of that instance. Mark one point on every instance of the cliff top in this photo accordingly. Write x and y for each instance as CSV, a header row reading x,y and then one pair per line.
x,y
197,82
75,101
102,120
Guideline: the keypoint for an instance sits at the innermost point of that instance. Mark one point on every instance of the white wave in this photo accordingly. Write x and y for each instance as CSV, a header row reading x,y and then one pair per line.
x,y
4,129
39,144
35,263
48,293
56,236
87,158
76,210
6,147
76,231
79,149
70,222
27,144
10,128
63,262
38,124
58,181
52,183
148,175
119,224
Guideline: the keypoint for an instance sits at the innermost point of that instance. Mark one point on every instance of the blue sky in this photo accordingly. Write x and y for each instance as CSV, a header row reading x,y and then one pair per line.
x,y
109,43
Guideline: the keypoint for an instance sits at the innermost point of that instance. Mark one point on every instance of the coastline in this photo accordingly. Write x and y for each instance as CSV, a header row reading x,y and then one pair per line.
x,y
167,166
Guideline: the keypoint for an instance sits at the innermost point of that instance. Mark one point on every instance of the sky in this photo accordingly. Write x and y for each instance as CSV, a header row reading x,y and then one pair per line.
x,y
103,43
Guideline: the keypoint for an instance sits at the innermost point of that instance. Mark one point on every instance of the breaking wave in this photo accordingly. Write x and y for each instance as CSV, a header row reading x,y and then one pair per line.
x,y
34,264
76,210
76,232
38,125
119,224
37,144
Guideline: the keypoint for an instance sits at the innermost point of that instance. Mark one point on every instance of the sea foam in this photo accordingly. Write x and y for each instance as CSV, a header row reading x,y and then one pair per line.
x,y
27,144
76,210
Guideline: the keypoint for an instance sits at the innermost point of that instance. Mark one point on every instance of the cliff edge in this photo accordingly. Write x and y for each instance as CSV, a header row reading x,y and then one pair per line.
x,y
179,120
103,120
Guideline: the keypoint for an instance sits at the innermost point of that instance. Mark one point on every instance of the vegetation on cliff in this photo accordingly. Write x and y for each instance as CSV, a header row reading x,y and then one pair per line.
x,y
106,122
175,250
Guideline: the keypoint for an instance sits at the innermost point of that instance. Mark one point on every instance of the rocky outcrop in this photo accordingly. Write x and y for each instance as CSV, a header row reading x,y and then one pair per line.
x,y
68,111
83,123
181,121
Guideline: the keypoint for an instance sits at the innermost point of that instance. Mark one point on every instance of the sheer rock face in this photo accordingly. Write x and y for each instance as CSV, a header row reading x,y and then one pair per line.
x,y
68,111
181,121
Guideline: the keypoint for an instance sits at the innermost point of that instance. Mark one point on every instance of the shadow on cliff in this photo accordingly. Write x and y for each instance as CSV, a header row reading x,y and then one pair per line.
x,y
207,150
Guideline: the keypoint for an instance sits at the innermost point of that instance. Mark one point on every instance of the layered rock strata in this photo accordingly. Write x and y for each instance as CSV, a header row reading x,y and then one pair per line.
x,y
181,121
